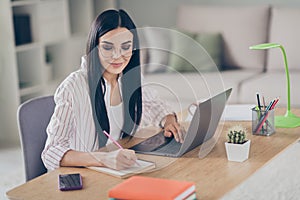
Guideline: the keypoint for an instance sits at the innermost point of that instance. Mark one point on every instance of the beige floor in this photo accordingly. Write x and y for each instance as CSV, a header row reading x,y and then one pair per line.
x,y
11,169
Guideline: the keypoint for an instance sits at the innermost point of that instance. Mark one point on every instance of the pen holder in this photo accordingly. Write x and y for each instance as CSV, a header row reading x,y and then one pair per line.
x,y
263,122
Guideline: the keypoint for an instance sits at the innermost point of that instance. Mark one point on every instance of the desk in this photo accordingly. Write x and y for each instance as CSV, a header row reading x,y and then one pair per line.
x,y
214,175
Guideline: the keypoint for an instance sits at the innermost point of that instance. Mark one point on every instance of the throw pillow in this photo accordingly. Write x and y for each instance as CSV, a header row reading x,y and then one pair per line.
x,y
190,57
156,42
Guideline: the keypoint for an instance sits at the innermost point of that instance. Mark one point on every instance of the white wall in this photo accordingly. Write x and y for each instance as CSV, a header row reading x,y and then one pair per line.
x,y
8,80
162,13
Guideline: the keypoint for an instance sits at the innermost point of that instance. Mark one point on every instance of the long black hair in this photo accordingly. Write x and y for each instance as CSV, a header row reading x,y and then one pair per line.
x,y
131,78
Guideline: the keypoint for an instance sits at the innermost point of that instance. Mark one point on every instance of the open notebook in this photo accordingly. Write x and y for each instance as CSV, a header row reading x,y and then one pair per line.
x,y
143,166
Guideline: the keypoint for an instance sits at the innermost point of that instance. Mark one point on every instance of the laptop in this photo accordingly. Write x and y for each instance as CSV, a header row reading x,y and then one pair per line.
x,y
202,127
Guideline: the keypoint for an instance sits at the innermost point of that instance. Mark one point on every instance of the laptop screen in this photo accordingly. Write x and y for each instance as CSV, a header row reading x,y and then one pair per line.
x,y
202,127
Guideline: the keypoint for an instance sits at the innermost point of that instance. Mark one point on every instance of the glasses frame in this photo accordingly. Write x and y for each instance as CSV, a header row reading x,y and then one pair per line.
x,y
114,50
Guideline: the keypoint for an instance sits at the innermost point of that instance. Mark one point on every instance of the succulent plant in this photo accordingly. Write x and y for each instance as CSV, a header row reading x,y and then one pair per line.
x,y
237,135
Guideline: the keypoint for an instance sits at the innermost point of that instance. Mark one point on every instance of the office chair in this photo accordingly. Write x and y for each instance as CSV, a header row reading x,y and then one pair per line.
x,y
33,118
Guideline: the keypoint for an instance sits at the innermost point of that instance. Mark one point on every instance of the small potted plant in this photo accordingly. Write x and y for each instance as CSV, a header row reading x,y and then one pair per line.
x,y
237,145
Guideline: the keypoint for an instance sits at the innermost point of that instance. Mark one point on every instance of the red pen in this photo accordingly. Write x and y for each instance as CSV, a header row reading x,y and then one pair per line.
x,y
274,104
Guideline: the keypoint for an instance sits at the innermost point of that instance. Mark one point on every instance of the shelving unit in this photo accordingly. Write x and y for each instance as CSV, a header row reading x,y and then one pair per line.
x,y
57,40
59,31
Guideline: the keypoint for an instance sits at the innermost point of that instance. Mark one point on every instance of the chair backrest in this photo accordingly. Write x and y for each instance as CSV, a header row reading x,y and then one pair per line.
x,y
33,118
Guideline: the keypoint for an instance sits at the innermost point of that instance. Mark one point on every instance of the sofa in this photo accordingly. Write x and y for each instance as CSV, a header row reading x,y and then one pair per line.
x,y
246,71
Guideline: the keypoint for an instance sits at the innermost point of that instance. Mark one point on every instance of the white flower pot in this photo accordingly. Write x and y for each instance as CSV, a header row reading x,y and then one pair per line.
x,y
237,152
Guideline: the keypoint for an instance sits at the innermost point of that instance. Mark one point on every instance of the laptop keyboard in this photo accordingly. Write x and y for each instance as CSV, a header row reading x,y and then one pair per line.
x,y
172,147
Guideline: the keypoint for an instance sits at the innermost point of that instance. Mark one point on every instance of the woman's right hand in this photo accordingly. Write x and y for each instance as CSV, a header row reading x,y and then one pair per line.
x,y
119,159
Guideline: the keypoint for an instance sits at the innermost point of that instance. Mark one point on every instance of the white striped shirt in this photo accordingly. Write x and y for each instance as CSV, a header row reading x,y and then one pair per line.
x,y
72,124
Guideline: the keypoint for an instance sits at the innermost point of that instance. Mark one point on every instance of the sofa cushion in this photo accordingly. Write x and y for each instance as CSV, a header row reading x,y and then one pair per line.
x,y
241,27
157,44
285,30
213,44
203,59
182,89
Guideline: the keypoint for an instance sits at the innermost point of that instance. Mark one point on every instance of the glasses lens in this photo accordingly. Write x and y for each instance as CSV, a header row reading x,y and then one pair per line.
x,y
108,51
126,50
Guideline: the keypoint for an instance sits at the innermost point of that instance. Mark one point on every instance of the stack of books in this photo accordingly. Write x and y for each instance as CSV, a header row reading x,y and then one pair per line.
x,y
141,187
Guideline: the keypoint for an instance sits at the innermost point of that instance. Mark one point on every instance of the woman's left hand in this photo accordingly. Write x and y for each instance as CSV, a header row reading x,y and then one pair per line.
x,y
173,128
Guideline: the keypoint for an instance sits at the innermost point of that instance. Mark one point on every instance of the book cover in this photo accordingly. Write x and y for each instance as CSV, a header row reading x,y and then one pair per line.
x,y
22,29
141,187
142,166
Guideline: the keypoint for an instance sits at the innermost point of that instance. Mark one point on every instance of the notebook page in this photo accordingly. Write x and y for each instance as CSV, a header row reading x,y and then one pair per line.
x,y
142,167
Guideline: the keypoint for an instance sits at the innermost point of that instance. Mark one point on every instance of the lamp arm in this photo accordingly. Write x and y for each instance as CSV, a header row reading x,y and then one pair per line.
x,y
287,79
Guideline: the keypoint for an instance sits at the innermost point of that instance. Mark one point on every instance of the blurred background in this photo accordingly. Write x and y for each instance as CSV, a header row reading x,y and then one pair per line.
x,y
42,41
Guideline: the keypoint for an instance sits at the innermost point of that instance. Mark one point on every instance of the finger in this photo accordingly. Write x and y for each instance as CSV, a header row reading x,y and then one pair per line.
x,y
177,126
126,162
180,131
167,133
172,129
181,134
130,156
123,162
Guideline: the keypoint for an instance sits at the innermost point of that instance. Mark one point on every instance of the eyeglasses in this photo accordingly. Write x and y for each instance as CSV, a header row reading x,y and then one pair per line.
x,y
110,51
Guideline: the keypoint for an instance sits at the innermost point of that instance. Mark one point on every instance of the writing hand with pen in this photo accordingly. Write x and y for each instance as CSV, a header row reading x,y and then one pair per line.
x,y
118,159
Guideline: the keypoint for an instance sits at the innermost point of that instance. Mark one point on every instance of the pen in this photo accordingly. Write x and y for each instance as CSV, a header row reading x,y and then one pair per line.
x,y
275,102
116,143
258,101
264,102
265,116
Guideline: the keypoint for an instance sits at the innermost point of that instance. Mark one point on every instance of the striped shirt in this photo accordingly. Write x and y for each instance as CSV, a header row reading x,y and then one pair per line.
x,y
72,125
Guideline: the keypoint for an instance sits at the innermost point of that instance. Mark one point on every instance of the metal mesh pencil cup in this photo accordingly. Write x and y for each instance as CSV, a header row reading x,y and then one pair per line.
x,y
263,122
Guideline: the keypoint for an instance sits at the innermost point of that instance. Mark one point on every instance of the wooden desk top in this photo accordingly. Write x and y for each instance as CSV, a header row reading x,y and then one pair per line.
x,y
214,175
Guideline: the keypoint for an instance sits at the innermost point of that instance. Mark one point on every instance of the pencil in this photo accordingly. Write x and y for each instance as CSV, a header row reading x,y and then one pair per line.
x,y
264,102
112,139
258,101
116,143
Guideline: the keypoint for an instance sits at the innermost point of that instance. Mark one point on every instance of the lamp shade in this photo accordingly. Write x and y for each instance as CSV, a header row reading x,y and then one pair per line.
x,y
264,46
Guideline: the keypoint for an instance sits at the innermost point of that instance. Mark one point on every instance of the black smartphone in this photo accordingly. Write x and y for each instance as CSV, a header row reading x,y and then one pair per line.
x,y
70,182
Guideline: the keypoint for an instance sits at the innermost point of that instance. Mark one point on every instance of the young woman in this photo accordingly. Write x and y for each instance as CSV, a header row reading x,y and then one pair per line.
x,y
104,95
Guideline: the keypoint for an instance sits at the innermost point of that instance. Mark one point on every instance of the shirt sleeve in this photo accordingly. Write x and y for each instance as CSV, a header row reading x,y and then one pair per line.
x,y
154,108
59,129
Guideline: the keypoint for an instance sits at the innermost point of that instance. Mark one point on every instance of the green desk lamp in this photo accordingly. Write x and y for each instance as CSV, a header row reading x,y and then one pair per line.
x,y
289,120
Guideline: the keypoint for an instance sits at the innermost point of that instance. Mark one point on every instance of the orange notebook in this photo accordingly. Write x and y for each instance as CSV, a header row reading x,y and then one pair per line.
x,y
142,188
